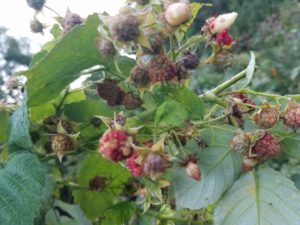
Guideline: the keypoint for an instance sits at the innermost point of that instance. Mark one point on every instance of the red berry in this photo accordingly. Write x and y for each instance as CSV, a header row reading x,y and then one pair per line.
x,y
115,145
135,168
292,115
224,38
267,146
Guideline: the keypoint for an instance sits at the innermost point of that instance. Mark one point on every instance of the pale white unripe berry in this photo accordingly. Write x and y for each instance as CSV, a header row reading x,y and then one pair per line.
x,y
222,22
193,171
177,13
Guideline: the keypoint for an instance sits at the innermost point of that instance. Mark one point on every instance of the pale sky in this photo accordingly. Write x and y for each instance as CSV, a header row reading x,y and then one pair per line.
x,y
16,15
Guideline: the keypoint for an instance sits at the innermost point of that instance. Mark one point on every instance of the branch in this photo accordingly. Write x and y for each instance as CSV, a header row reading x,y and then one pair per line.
x,y
226,84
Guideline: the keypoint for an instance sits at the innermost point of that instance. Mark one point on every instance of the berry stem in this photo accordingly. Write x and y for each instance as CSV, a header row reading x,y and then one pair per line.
x,y
198,38
52,10
226,84
201,123
172,48
59,107
269,95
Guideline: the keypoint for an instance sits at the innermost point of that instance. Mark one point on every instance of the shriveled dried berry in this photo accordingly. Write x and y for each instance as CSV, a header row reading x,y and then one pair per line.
x,y
111,92
71,20
61,143
125,28
36,4
131,101
106,47
161,68
140,76
190,60
154,164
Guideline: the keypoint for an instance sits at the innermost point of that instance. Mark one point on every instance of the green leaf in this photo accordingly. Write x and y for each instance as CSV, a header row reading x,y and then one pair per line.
x,y
119,213
192,103
81,111
291,145
249,70
260,198
73,211
19,137
3,126
171,113
23,189
93,202
41,112
75,52
219,168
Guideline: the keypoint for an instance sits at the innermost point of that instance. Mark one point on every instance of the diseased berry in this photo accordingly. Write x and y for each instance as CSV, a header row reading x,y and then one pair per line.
x,y
61,143
177,13
191,166
248,164
71,20
98,183
36,26
224,38
266,147
131,101
190,60
36,4
135,168
267,116
154,164
140,76
240,142
125,28
106,47
111,92
292,115
155,39
222,22
115,145
193,171
161,68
